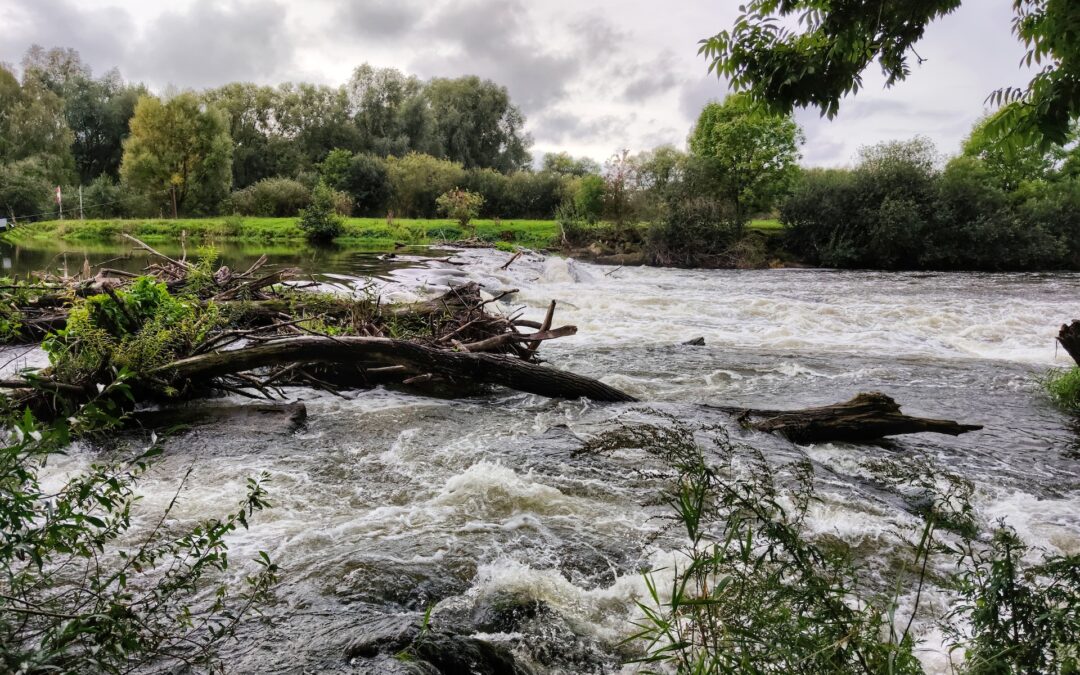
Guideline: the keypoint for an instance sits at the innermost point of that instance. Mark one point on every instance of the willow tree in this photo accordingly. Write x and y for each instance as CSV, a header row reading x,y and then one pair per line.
x,y
179,149
823,59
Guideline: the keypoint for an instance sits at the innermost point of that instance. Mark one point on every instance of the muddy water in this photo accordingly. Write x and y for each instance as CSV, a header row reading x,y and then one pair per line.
x,y
386,504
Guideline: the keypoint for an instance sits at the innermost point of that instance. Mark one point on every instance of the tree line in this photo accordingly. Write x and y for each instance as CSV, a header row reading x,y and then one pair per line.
x,y
135,152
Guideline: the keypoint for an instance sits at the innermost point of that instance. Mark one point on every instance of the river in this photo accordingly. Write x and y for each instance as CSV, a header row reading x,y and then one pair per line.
x,y
386,503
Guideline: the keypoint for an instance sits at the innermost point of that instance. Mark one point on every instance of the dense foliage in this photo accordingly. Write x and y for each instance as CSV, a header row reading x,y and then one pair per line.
x,y
819,61
755,152
1063,386
320,220
73,128
178,154
461,205
133,330
270,197
897,209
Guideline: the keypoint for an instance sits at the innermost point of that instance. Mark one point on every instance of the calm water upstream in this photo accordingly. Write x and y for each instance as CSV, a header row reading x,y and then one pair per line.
x,y
387,503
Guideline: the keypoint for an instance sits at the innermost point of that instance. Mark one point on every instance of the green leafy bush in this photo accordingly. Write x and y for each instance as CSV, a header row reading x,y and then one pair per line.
x,y
897,211
136,329
1023,618
25,190
367,182
81,592
320,221
461,205
270,198
417,180
589,198
1064,387
104,197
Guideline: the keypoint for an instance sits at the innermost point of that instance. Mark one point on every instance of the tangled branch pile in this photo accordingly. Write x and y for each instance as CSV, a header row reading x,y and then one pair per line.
x,y
187,328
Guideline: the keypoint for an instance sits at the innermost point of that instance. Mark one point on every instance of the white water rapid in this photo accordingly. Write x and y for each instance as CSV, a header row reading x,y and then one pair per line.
x,y
388,503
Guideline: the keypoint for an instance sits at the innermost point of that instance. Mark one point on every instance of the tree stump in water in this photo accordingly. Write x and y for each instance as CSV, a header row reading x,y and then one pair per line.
x,y
866,417
1069,338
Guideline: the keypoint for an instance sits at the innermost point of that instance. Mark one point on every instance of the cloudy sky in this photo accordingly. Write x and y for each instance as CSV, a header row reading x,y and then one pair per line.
x,y
592,76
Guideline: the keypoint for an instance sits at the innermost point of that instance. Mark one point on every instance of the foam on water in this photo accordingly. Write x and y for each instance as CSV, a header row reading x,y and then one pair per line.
x,y
398,502
996,316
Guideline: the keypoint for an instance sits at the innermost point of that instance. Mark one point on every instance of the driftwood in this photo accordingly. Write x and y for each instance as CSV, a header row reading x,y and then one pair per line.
x,y
1069,338
414,358
253,418
278,336
866,417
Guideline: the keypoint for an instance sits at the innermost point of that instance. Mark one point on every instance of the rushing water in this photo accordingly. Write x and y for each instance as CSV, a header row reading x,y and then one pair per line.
x,y
387,503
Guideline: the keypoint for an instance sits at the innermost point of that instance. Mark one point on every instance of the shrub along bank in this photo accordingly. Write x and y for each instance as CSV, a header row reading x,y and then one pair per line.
x,y
897,210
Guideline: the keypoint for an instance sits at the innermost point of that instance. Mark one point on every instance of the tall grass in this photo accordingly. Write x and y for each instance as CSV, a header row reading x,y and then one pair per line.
x,y
753,592
1063,386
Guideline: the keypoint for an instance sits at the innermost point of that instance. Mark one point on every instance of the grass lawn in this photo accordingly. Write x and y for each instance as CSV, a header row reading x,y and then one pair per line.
x,y
372,233
766,225
360,232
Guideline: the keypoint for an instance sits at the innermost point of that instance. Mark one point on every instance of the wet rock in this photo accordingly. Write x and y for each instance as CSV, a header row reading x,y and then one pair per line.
x,y
507,614
397,641
452,654
696,342
384,635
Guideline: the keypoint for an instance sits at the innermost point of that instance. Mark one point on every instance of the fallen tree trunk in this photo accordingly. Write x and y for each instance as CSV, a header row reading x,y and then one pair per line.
x,y
252,418
866,417
1069,338
481,367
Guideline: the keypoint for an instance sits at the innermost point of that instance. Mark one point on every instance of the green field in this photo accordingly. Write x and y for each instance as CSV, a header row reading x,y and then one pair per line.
x,y
373,233
366,232
767,225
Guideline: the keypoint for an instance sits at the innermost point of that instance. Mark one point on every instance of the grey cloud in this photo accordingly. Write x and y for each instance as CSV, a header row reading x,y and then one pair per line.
x,y
559,126
488,38
98,34
378,19
597,32
646,86
664,136
213,43
696,93
648,79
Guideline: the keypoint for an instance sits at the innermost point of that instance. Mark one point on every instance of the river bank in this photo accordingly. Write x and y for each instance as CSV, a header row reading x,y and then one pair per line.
x,y
763,242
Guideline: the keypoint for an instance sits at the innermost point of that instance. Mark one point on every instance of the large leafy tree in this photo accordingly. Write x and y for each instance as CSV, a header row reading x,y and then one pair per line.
x,y
753,151
96,110
180,147
261,148
389,110
477,125
563,163
821,60
32,125
316,118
